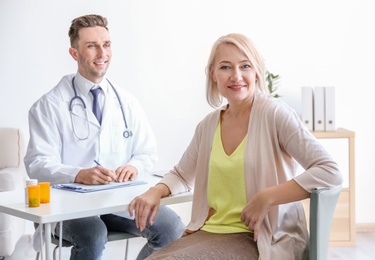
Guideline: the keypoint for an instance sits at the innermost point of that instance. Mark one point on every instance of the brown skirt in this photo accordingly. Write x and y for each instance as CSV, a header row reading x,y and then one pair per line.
x,y
205,245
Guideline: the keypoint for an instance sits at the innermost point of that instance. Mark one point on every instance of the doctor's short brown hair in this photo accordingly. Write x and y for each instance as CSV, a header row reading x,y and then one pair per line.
x,y
85,21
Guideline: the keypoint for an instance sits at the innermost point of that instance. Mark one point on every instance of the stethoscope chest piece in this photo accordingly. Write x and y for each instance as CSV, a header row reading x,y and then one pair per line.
x,y
127,134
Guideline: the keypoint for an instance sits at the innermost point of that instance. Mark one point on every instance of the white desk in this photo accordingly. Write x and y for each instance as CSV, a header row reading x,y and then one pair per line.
x,y
67,205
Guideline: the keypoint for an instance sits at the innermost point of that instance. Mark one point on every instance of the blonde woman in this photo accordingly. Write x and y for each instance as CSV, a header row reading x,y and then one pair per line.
x,y
242,164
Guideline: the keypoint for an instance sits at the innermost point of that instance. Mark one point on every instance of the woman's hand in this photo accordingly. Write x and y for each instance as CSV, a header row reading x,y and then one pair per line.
x,y
256,209
147,204
254,212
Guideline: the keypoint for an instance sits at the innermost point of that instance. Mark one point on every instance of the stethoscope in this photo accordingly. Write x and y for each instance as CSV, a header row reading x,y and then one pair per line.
x,y
127,133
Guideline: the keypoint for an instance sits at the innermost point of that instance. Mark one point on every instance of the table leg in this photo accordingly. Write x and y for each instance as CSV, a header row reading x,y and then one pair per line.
x,y
60,239
47,238
41,227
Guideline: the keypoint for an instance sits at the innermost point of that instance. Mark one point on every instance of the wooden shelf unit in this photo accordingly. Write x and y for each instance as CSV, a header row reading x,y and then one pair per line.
x,y
343,224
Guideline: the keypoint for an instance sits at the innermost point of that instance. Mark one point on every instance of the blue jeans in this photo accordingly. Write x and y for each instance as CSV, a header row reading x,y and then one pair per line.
x,y
89,235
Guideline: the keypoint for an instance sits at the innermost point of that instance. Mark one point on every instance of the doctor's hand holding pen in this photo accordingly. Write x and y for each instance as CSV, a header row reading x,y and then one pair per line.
x,y
102,175
124,173
96,175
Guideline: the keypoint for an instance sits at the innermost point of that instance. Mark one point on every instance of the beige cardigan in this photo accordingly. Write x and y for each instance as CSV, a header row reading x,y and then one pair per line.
x,y
275,136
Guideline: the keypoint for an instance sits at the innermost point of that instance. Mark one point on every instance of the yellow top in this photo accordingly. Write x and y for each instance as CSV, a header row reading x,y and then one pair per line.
x,y
226,188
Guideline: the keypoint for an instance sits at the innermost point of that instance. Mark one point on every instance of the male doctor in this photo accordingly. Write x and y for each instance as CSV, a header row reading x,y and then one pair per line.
x,y
66,137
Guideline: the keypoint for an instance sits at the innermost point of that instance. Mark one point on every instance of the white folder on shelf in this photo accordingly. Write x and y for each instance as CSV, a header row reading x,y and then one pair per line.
x,y
307,107
330,119
319,111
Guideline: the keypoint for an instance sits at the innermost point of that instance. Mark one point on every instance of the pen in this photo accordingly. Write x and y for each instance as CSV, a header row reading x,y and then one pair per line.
x,y
97,163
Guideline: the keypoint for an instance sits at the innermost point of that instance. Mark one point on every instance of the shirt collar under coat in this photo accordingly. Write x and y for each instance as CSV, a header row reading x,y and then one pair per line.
x,y
84,85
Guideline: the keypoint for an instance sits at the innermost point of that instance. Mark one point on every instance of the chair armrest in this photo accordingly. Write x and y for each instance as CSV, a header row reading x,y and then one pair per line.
x,y
11,228
322,207
12,179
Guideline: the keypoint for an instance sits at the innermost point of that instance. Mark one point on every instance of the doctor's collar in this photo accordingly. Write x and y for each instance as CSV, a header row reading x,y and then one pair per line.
x,y
84,85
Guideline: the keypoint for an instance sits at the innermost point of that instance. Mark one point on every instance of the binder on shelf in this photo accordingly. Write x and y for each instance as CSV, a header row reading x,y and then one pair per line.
x,y
319,111
330,119
307,107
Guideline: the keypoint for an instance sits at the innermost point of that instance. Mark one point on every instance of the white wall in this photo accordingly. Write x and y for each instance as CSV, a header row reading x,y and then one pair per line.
x,y
160,52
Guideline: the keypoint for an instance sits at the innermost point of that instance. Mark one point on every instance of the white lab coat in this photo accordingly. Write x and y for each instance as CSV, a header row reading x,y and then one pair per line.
x,y
56,155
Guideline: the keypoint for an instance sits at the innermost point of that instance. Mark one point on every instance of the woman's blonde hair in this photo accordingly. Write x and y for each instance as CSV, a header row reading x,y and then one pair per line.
x,y
244,44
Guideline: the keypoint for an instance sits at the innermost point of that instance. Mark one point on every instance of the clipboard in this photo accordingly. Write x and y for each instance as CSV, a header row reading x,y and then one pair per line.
x,y
83,188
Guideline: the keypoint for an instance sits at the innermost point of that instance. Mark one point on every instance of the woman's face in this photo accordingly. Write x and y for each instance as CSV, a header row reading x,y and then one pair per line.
x,y
233,74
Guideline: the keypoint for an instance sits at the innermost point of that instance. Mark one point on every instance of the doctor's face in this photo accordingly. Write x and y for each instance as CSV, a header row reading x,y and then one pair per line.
x,y
93,53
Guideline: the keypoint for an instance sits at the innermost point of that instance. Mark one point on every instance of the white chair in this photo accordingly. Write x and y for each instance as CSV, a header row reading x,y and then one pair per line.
x,y
12,177
322,207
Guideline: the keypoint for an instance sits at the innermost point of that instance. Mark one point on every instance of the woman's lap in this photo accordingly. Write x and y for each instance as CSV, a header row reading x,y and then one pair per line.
x,y
205,245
